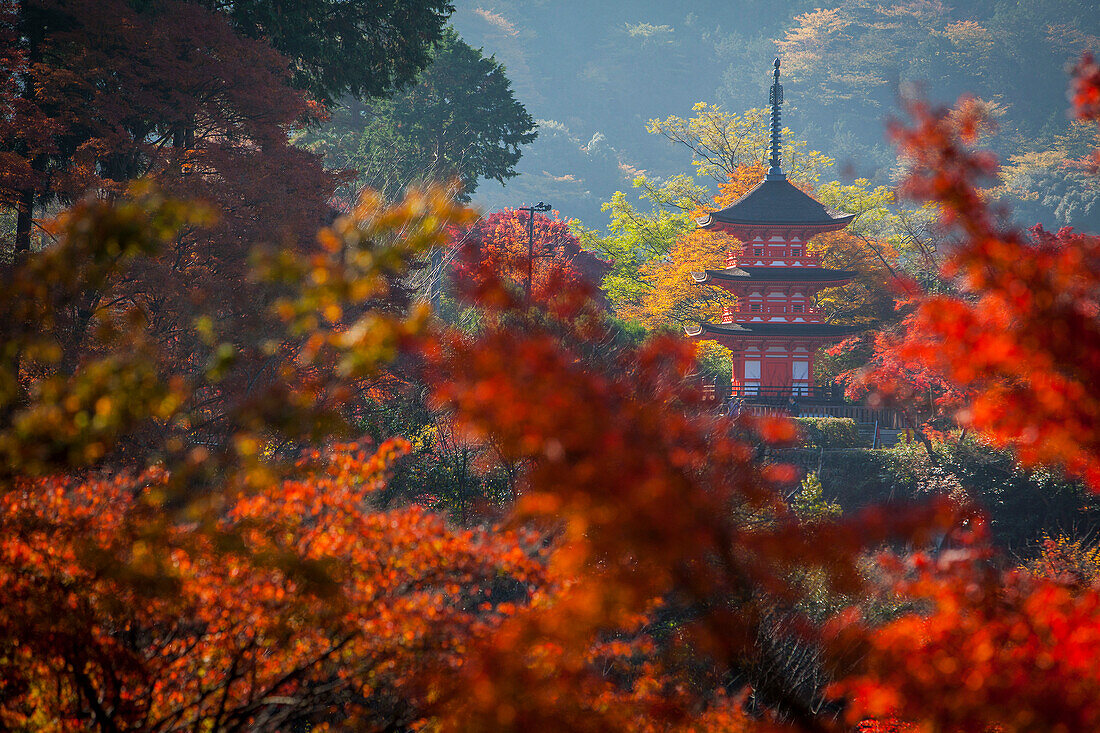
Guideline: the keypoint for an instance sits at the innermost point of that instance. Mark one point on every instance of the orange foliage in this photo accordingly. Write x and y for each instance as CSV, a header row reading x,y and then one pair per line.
x,y
674,296
1072,563
296,602
738,183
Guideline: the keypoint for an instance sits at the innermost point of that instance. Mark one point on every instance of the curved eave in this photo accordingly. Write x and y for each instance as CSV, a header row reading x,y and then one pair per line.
x,y
776,203
819,225
808,330
702,328
776,274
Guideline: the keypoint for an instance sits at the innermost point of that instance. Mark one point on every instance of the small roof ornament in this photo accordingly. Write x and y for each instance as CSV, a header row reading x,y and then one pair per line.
x,y
775,98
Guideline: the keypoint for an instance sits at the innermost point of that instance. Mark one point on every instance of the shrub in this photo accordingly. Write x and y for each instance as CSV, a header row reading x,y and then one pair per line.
x,y
830,433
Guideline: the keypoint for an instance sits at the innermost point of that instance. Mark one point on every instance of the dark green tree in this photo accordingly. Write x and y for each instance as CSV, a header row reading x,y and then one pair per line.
x,y
459,120
363,48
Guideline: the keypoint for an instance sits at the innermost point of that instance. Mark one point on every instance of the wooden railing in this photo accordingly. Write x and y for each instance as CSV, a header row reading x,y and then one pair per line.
x,y
812,400
883,419
774,310
778,394
748,259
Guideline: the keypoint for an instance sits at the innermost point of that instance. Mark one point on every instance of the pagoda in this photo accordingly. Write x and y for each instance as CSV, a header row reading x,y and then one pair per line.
x,y
774,329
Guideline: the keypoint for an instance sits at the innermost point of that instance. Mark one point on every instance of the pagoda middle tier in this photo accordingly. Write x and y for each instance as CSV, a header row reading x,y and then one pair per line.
x,y
771,271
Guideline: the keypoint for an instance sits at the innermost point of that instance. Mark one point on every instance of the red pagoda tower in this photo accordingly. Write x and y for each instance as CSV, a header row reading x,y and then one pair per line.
x,y
775,329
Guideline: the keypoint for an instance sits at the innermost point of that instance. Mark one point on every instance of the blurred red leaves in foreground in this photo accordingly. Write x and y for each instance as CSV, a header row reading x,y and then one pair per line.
x,y
1019,347
1016,353
1085,93
1001,651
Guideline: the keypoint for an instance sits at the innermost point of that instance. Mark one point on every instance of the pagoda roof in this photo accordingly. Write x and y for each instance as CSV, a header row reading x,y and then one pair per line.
x,y
775,274
824,330
775,201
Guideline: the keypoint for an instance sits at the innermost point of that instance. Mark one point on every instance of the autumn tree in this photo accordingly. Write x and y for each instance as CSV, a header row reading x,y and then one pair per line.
x,y
1000,651
171,93
102,93
877,42
636,237
648,509
515,241
322,612
1057,180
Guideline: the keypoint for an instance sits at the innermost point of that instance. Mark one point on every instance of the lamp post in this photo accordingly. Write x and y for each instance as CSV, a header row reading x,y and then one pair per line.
x,y
539,207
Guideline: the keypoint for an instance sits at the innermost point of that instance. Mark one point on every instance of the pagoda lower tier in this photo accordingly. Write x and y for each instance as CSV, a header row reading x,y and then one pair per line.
x,y
772,356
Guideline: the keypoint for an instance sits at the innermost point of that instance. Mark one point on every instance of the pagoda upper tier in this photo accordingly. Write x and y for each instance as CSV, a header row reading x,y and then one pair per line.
x,y
774,207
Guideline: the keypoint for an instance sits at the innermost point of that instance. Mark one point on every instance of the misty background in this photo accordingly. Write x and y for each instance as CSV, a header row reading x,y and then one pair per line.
x,y
593,73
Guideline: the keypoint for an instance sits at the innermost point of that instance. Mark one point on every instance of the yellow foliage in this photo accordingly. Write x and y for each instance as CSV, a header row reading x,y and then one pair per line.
x,y
674,296
739,183
722,142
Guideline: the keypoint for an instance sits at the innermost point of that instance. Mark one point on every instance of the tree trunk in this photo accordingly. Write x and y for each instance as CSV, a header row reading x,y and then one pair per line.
x,y
24,222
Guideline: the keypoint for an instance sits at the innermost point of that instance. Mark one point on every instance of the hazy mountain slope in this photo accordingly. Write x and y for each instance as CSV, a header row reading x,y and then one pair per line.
x,y
593,73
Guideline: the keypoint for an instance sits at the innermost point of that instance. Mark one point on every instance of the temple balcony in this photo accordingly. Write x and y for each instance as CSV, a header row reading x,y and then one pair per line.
x,y
748,259
770,313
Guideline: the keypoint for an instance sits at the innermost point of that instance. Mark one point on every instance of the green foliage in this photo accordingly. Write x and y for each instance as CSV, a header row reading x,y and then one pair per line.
x,y
1021,504
855,478
637,237
341,47
830,433
809,501
875,207
443,469
460,119
715,364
